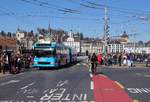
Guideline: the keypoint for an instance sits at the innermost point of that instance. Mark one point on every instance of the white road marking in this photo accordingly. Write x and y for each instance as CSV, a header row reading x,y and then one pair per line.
x,y
9,82
91,75
139,90
147,76
27,85
30,96
61,83
138,73
78,63
90,70
84,64
120,85
92,85
142,75
45,90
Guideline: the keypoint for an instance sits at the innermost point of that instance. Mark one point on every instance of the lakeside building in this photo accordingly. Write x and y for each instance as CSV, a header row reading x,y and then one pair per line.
x,y
73,42
8,43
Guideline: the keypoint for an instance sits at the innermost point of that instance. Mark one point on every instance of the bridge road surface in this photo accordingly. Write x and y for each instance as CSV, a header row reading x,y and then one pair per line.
x,y
136,81
70,84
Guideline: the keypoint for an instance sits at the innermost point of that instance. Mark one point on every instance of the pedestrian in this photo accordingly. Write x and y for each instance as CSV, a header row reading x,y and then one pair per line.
x,y
28,61
1,62
9,61
124,60
6,62
13,64
129,60
146,61
105,60
115,59
93,63
109,60
120,59
18,59
88,58
99,58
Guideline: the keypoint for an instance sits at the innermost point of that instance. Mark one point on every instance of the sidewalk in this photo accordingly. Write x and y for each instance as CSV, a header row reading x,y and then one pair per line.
x,y
3,75
7,73
117,66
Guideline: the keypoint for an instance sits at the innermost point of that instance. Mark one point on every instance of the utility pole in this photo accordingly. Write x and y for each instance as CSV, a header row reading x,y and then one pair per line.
x,y
49,35
106,31
49,28
134,36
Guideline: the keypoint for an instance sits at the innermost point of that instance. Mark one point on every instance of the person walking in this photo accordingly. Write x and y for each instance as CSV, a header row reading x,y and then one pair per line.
x,y
99,58
93,63
6,62
120,59
124,60
18,61
89,57
1,62
129,60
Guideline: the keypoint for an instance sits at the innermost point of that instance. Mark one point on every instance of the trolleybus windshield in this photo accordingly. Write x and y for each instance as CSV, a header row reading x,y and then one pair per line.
x,y
43,53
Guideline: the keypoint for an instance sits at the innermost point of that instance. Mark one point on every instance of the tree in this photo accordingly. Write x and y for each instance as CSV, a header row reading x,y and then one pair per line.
x,y
13,35
9,34
140,42
42,31
81,36
30,34
3,33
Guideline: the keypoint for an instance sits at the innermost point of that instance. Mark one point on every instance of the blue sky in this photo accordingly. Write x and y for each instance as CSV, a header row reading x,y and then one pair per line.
x,y
130,15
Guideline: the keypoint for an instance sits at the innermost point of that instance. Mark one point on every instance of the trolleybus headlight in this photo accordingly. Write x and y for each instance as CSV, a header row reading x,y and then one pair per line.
x,y
35,62
52,62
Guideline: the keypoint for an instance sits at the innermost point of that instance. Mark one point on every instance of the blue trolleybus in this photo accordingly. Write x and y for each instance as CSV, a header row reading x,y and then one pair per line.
x,y
52,55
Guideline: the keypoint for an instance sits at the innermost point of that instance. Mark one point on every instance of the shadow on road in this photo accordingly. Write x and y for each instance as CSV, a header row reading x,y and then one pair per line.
x,y
59,68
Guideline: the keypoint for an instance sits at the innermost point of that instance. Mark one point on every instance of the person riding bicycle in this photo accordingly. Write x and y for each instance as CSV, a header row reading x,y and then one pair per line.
x,y
93,63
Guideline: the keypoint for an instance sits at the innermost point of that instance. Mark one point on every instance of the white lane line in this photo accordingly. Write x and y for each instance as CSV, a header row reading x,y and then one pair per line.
x,y
78,63
45,90
91,75
147,75
84,64
28,85
120,85
30,96
92,85
138,73
9,82
90,70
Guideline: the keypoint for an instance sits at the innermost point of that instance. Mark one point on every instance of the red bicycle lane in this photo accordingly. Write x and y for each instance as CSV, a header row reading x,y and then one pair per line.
x,y
107,90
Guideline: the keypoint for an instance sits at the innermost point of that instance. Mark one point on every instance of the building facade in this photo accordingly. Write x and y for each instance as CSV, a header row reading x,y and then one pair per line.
x,y
92,46
20,35
116,48
8,43
73,42
137,48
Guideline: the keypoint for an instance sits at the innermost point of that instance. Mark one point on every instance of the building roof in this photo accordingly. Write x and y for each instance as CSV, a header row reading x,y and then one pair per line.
x,y
8,41
125,35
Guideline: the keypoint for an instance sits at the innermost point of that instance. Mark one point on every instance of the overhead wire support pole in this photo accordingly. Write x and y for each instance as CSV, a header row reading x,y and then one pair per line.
x,y
106,30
